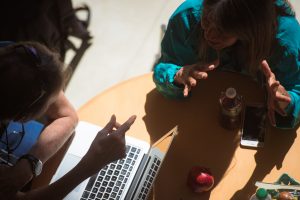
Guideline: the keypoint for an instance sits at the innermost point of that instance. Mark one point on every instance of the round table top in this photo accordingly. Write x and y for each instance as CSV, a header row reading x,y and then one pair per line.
x,y
201,140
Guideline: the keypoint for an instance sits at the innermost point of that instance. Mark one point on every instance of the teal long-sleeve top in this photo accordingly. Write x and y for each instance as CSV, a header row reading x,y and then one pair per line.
x,y
180,43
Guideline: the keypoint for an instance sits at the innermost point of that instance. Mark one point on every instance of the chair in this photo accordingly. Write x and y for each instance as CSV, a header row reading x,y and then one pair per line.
x,y
79,51
46,22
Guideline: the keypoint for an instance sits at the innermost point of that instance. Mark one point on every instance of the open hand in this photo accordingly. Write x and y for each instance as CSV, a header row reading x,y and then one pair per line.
x,y
108,146
278,97
189,74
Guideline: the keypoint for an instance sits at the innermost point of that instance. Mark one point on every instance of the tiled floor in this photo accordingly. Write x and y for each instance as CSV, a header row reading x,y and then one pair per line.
x,y
126,41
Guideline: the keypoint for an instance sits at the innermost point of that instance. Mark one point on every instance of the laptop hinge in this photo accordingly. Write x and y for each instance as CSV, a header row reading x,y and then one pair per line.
x,y
138,177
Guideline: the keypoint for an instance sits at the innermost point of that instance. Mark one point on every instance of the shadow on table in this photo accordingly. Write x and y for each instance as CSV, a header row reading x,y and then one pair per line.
x,y
202,141
271,155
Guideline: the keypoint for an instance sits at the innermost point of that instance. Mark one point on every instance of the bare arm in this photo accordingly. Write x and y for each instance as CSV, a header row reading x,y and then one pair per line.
x,y
63,120
109,145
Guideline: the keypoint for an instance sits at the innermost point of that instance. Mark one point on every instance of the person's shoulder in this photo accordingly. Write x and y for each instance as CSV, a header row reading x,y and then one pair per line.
x,y
189,12
189,6
287,23
288,32
285,7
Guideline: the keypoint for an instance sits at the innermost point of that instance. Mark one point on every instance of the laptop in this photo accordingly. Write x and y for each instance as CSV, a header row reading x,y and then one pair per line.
x,y
130,178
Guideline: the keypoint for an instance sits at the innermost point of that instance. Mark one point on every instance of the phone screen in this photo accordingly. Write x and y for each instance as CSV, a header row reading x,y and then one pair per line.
x,y
254,123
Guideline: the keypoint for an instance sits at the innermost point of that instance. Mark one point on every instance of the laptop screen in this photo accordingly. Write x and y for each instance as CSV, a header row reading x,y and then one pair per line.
x,y
165,141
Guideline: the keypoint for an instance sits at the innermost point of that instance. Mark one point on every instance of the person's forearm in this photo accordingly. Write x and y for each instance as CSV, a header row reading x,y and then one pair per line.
x,y
60,188
293,112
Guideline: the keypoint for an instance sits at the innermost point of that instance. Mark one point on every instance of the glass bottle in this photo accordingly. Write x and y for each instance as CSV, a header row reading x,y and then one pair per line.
x,y
231,109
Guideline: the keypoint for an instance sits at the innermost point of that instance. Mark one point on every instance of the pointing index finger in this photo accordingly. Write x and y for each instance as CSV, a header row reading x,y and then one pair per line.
x,y
126,125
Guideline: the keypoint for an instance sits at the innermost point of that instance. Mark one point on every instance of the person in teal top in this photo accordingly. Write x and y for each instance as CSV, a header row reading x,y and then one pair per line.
x,y
253,37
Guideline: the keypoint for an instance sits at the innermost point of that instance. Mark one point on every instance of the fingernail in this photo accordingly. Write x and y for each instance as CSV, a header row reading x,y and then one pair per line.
x,y
112,117
133,117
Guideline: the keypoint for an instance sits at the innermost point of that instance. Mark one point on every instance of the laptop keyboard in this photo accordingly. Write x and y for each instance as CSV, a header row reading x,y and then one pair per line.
x,y
110,182
149,179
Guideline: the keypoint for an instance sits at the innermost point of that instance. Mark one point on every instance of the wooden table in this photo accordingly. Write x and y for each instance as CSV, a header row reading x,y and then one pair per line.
x,y
201,139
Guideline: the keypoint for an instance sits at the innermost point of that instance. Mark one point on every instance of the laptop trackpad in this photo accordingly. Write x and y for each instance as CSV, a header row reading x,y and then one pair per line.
x,y
67,164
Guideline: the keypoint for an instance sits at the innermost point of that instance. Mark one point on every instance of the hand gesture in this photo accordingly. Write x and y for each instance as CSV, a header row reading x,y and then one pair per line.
x,y
108,146
278,97
189,74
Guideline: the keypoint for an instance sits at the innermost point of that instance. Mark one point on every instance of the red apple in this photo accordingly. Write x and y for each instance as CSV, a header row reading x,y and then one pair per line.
x,y
200,179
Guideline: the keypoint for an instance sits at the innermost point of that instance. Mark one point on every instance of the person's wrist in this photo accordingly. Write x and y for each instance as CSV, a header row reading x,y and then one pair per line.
x,y
284,105
176,81
177,84
87,166
36,164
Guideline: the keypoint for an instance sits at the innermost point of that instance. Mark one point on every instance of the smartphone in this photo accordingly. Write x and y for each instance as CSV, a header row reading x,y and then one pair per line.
x,y
253,126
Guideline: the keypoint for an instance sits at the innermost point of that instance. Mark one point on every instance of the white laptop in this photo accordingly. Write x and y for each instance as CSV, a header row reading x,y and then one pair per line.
x,y
130,178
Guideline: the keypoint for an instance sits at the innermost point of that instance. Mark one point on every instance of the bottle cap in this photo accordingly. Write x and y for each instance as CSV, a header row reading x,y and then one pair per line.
x,y
261,193
230,93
